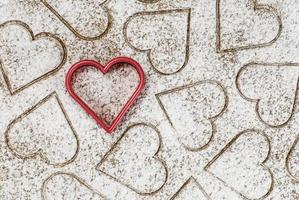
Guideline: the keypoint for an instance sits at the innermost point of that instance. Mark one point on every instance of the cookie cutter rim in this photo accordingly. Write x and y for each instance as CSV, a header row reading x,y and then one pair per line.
x,y
104,69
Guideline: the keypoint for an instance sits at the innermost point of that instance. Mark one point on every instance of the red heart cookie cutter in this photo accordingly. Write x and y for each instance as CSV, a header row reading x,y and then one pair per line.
x,y
104,69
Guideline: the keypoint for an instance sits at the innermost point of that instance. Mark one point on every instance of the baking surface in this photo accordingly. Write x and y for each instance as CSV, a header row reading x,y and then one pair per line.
x,y
218,118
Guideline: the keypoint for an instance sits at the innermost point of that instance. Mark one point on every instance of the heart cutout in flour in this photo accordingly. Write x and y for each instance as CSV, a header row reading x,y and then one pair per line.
x,y
108,126
25,58
240,165
133,161
292,160
85,19
241,25
192,110
45,132
61,185
273,87
164,35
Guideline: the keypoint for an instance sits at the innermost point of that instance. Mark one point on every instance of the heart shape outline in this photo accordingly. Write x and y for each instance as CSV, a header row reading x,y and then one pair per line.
x,y
211,119
40,153
79,180
154,156
185,184
149,51
257,101
74,30
34,38
256,7
261,163
287,160
109,128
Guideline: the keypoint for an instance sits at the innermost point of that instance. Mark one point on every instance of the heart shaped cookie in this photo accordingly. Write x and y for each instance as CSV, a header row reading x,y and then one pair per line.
x,y
133,160
240,165
109,127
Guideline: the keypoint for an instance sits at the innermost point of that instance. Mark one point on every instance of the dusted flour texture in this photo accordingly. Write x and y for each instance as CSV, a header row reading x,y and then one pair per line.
x,y
217,119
